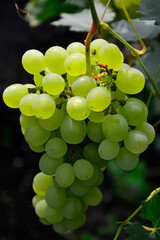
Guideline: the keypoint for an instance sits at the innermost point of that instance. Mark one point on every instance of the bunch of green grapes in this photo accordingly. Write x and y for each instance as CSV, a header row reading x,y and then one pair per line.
x,y
79,123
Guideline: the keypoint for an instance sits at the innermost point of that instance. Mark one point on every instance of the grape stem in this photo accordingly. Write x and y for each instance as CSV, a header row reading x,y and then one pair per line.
x,y
127,221
92,32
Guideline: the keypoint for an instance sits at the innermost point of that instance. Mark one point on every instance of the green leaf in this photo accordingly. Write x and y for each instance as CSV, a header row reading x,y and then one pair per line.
x,y
151,60
151,211
151,10
41,10
82,20
137,232
146,29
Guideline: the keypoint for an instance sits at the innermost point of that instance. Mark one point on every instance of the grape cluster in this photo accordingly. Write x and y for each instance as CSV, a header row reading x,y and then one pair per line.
x,y
79,122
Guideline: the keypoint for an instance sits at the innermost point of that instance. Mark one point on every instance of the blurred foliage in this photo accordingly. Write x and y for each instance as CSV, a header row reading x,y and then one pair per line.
x,y
150,10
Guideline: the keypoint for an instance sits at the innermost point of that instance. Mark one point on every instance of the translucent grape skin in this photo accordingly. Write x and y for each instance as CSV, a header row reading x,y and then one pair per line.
x,y
43,106
115,127
33,61
65,175
98,99
127,160
56,147
83,169
77,108
108,150
53,83
72,208
75,64
13,94
135,111
136,142
55,198
110,55
82,85
41,183
25,104
55,58
94,131
130,80
76,47
148,129
72,131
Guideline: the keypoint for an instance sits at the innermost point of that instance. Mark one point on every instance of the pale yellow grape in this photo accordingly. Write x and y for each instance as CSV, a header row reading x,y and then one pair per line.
x,y
55,58
53,84
25,104
33,61
43,106
130,80
75,64
13,94
110,55
76,47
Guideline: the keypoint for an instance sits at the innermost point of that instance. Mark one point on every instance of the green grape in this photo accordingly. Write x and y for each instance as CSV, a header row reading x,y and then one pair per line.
x,y
136,142
75,64
73,224
37,149
148,129
55,198
130,81
13,94
93,197
55,58
54,121
95,47
33,61
98,99
127,160
135,111
41,183
38,79
72,131
36,199
124,66
77,108
56,147
76,47
115,127
71,79
43,106
35,135
60,227
100,179
49,165
53,215
53,83
72,208
94,131
78,188
40,208
94,179
65,175
44,221
108,150
25,104
83,169
90,153
26,120
96,117
83,85
110,55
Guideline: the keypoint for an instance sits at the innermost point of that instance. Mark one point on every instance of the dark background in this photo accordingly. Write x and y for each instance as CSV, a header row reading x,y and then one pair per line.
x,y
18,164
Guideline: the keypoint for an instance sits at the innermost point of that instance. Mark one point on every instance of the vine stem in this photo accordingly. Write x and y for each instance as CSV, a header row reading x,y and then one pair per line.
x,y
92,32
127,221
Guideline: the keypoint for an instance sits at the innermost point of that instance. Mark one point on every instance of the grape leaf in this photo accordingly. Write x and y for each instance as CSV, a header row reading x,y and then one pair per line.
x,y
137,232
151,211
82,20
41,10
151,60
151,10
146,29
